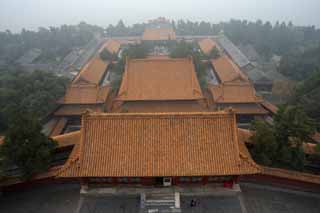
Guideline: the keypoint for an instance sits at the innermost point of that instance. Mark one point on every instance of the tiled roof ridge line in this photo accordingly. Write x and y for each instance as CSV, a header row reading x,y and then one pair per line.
x,y
221,87
252,163
65,134
124,79
159,59
82,136
152,114
235,133
290,174
67,166
79,75
194,77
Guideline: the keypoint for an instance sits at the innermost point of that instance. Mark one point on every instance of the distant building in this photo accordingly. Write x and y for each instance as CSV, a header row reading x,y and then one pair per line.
x,y
241,97
233,51
29,56
88,90
227,71
235,90
206,45
250,52
113,46
159,30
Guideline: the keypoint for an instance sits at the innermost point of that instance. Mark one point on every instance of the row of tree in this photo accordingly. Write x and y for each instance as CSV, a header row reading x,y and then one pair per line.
x,y
55,42
268,39
299,64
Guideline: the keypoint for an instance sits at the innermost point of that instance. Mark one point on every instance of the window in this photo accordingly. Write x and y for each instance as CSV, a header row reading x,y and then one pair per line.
x,y
135,180
101,180
219,178
184,179
123,180
196,179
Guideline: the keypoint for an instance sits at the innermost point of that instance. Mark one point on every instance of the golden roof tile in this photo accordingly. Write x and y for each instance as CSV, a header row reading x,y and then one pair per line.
x,y
58,128
113,46
291,175
159,144
206,45
85,94
92,72
159,34
234,93
159,79
68,139
227,71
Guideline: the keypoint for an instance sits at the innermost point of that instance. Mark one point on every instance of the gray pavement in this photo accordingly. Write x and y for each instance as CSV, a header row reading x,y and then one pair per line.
x,y
110,204
264,200
229,204
53,198
65,199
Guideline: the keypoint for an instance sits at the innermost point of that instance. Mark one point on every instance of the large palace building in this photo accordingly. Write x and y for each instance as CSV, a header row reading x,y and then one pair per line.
x,y
159,149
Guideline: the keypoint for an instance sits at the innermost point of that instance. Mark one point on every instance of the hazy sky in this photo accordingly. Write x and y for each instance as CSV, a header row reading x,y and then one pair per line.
x,y
30,14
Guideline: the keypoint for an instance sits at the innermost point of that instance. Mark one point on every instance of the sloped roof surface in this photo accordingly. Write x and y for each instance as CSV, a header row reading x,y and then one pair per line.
x,y
206,45
68,139
234,93
92,72
159,34
85,94
256,75
112,46
291,175
237,56
69,110
269,106
226,70
159,79
248,108
159,144
59,126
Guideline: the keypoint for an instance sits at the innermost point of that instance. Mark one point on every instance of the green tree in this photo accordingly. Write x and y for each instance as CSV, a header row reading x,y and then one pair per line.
x,y
107,56
182,50
292,128
214,53
307,95
281,142
265,145
137,51
34,93
26,147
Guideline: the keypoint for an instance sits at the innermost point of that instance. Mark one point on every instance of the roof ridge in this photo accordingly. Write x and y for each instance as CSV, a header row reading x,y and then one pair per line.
x,y
86,85
146,114
251,162
66,166
159,59
66,134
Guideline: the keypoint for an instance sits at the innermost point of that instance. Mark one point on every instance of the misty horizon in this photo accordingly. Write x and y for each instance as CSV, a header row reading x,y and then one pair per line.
x,y
32,14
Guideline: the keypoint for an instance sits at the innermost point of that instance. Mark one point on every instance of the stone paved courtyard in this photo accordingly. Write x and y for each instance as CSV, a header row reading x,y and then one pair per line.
x,y
106,204
57,198
211,204
267,201
65,199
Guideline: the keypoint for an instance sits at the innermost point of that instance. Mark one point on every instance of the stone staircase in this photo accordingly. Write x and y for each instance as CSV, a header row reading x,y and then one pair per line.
x,y
160,202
